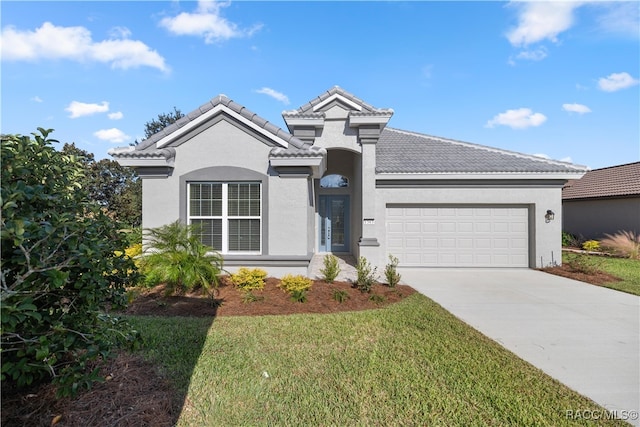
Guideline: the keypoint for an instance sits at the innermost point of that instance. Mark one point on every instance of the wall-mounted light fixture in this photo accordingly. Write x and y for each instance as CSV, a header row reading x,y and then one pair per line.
x,y
549,216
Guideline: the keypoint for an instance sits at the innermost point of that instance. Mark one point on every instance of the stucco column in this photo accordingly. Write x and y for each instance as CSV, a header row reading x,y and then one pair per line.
x,y
369,247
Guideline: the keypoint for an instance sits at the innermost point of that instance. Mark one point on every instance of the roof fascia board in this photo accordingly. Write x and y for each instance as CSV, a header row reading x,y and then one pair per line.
x,y
369,120
482,176
316,122
317,164
214,111
146,162
340,98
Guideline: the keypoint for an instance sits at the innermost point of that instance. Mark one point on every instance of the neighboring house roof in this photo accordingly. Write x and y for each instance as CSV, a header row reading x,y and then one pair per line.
x,y
613,181
401,151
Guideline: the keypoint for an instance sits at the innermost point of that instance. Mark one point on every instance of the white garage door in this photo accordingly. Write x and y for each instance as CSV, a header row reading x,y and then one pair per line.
x,y
458,236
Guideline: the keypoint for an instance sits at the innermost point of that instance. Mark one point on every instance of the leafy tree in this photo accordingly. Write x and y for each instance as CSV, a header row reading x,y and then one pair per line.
x,y
117,189
165,119
63,266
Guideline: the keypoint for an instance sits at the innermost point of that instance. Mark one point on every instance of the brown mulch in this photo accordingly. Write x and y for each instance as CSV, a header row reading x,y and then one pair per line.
x,y
595,277
133,395
136,394
228,301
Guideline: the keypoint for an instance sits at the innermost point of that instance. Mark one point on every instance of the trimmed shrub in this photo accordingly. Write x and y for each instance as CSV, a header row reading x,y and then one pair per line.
x,y
366,276
591,245
331,268
296,286
391,273
249,279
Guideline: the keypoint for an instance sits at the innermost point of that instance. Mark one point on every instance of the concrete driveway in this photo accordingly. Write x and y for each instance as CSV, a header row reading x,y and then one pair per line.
x,y
585,336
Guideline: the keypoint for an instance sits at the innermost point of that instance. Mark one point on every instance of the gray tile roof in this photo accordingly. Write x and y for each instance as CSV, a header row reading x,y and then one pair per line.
x,y
313,151
131,153
150,142
400,151
613,181
307,109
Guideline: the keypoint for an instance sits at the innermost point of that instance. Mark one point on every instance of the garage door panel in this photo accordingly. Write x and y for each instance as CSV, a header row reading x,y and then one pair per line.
x,y
463,236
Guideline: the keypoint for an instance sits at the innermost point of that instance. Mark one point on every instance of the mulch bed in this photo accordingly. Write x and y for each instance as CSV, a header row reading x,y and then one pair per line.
x,y
595,277
228,301
136,394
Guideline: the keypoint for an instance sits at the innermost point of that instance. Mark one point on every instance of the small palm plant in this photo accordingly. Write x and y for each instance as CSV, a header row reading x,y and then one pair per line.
x,y
176,257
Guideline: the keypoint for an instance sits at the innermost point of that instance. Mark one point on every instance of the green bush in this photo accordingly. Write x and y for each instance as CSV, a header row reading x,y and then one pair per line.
x,y
378,299
391,272
249,280
570,241
591,245
296,286
63,267
176,257
584,263
366,276
331,268
340,295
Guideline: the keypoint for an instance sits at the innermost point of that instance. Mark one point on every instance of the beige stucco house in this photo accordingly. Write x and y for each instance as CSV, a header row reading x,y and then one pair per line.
x,y
340,179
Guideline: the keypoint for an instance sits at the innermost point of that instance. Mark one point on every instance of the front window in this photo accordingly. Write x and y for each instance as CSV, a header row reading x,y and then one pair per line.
x,y
228,215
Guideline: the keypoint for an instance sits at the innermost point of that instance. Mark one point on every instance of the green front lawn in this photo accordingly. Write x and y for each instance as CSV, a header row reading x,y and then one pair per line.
x,y
412,363
624,268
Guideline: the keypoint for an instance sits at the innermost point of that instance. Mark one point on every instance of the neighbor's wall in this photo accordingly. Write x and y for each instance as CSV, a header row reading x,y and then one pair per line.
x,y
591,219
544,238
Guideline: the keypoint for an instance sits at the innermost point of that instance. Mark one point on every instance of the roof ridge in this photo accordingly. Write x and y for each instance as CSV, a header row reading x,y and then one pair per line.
x,y
491,149
224,100
329,93
615,166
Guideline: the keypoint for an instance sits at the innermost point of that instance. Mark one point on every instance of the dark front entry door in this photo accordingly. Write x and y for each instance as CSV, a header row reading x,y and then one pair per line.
x,y
334,223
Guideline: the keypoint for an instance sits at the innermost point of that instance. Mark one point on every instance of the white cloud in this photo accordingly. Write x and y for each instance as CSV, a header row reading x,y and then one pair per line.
x,y
274,94
113,135
37,99
206,22
115,116
533,55
616,81
538,21
79,109
521,118
622,17
76,44
576,108
567,159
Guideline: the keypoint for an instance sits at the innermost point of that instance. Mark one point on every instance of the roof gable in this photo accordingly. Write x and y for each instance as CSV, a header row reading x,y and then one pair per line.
x,y
208,111
403,152
335,96
613,181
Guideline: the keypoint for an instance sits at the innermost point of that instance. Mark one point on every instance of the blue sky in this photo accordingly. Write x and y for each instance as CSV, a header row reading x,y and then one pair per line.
x,y
557,79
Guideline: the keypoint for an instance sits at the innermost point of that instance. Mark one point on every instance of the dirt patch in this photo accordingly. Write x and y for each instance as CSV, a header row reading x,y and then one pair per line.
x,y
136,394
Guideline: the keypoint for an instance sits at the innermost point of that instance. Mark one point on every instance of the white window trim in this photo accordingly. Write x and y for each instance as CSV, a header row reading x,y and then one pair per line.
x,y
225,217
